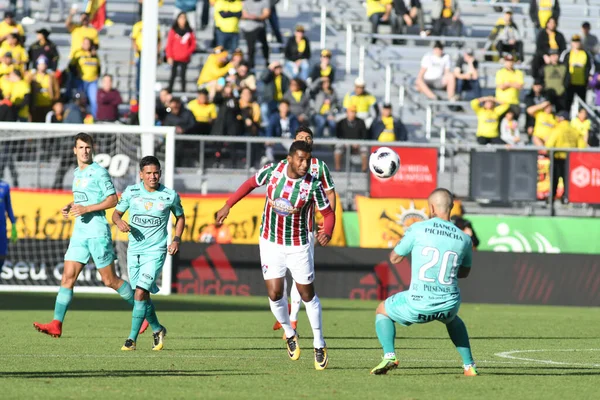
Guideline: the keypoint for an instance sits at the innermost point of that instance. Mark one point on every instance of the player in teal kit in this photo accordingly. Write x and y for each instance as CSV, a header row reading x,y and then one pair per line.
x,y
150,205
440,255
93,193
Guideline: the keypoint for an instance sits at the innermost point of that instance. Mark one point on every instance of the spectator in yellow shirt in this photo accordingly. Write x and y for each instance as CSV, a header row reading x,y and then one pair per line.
x,y
9,25
87,65
227,20
17,93
582,124
44,90
365,102
488,119
562,136
378,12
544,122
216,66
19,55
6,64
509,82
204,112
80,31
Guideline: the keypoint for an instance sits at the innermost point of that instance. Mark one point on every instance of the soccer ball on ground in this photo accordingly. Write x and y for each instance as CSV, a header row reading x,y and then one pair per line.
x,y
384,162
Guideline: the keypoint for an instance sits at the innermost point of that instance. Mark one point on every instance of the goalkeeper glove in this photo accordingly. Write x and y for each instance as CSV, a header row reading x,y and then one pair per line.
x,y
13,233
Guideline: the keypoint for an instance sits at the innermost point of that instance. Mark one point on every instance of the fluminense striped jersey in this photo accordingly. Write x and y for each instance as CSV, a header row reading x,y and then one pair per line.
x,y
320,171
290,205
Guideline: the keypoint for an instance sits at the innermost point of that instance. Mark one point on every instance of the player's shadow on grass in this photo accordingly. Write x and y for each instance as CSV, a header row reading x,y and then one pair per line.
x,y
121,374
45,301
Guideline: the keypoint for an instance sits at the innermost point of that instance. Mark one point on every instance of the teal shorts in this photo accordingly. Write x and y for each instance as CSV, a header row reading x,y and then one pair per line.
x,y
144,269
100,249
400,311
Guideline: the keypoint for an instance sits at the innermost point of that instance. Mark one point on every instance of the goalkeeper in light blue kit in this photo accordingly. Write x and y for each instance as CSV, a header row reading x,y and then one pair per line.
x,y
440,255
150,205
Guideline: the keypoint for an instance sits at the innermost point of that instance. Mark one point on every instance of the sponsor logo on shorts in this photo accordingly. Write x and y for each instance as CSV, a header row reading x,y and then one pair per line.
x,y
265,269
434,316
149,277
211,273
145,221
79,197
386,280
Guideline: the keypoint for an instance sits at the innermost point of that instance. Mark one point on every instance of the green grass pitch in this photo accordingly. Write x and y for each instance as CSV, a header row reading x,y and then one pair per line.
x,y
224,348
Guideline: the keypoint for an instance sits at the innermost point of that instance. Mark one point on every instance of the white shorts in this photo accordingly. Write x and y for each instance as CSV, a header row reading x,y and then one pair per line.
x,y
276,259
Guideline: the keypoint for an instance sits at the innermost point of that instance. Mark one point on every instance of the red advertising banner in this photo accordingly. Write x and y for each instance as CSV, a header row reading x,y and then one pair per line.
x,y
416,179
584,178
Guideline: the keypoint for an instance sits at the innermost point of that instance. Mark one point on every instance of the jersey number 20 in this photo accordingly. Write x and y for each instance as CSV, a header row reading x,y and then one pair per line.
x,y
435,258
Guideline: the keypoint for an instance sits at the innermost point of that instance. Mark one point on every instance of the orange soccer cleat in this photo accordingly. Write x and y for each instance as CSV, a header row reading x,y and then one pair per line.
x,y
277,325
53,328
144,326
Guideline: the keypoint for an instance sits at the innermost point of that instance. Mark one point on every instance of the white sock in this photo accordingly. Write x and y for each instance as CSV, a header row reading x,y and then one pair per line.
x,y
313,311
296,302
279,309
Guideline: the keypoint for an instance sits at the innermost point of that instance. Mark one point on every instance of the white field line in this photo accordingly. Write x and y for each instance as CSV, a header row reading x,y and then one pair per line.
x,y
509,355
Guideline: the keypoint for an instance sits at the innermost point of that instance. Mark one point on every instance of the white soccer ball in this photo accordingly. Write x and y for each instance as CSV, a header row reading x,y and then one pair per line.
x,y
384,162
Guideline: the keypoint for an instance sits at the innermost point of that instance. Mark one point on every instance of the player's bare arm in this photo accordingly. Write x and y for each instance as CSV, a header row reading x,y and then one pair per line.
x,y
179,227
395,258
66,210
106,204
118,221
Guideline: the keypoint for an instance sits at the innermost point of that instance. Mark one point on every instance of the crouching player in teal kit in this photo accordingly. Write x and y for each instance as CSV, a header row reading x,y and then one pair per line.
x,y
440,255
150,205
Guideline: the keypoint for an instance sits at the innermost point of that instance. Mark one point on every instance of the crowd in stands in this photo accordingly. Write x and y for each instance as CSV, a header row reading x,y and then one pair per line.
x,y
237,97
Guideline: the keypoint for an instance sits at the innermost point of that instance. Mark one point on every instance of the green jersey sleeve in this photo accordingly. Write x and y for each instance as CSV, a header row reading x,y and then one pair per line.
x,y
106,184
326,179
124,201
467,260
319,196
405,246
176,207
264,174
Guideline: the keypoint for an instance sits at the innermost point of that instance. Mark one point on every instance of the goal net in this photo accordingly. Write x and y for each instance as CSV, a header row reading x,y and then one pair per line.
x,y
37,161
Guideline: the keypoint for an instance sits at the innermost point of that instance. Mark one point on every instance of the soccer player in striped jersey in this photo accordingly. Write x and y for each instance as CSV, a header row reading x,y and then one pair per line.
x,y
320,171
93,194
285,244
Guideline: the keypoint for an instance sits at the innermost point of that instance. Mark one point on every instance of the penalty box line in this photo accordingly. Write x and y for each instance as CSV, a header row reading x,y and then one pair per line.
x,y
511,356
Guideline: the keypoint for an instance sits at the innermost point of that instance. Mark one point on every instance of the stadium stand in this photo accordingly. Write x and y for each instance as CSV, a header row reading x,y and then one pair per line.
x,y
346,39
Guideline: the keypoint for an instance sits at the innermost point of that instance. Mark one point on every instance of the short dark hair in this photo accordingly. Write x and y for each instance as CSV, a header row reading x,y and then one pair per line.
x,y
284,101
300,145
438,45
203,91
108,75
85,138
149,160
304,128
176,100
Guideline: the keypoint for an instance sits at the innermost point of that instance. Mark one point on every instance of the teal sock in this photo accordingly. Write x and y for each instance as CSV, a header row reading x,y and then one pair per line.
x,y
458,333
63,299
137,318
152,318
126,292
386,333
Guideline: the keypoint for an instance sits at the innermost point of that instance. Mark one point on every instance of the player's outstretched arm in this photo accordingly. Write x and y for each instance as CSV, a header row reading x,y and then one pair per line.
x,y
239,194
395,258
118,221
106,204
179,227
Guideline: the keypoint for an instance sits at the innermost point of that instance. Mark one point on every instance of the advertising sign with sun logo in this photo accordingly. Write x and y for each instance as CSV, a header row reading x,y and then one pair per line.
x,y
382,222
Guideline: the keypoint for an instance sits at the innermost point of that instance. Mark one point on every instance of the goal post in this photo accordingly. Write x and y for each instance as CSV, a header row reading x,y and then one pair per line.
x,y
37,161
